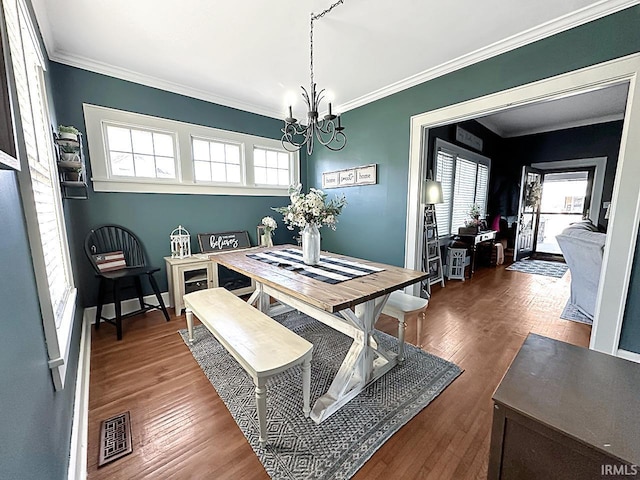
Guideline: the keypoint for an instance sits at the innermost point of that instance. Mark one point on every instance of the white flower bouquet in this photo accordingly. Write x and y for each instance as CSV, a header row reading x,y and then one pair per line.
x,y
269,224
311,208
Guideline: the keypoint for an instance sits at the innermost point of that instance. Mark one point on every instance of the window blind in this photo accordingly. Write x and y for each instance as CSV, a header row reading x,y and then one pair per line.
x,y
464,192
444,175
464,176
482,188
39,188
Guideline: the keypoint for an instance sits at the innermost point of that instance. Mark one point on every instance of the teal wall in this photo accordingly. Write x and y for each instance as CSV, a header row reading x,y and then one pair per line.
x,y
630,334
36,420
372,225
153,216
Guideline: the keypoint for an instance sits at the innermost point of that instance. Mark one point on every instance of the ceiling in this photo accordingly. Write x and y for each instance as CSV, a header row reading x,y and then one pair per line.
x,y
254,54
595,106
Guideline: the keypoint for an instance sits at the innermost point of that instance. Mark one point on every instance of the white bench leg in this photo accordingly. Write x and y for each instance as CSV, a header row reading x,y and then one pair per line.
x,y
401,326
261,407
189,315
419,329
306,386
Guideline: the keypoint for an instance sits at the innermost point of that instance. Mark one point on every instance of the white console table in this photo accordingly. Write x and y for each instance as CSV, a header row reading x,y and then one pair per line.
x,y
197,272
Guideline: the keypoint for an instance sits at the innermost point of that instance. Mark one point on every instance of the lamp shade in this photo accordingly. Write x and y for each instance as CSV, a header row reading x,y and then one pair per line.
x,y
432,192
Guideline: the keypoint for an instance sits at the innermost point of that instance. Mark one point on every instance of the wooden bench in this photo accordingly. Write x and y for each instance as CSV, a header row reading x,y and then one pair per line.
x,y
262,346
400,305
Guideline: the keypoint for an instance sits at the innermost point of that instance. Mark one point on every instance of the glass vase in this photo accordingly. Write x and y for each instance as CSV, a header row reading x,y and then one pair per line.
x,y
266,240
311,244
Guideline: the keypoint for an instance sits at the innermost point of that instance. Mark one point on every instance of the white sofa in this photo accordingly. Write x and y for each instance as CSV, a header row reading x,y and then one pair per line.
x,y
583,246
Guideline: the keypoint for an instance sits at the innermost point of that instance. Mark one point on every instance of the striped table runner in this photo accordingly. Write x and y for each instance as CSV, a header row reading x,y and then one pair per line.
x,y
329,270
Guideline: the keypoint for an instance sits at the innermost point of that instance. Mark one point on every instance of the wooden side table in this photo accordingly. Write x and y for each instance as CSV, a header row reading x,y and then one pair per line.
x,y
566,412
473,240
199,272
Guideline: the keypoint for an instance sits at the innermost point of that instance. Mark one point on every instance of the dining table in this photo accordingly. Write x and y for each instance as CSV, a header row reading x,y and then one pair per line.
x,y
345,293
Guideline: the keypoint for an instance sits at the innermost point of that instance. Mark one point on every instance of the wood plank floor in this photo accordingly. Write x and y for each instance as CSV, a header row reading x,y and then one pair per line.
x,y
181,428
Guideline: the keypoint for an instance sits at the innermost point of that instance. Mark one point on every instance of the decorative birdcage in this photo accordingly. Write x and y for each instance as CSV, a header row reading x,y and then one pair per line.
x,y
180,243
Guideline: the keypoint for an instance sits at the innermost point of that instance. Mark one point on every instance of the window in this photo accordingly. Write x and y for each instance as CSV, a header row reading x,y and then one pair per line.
x,y
216,161
465,180
134,152
271,167
130,152
40,191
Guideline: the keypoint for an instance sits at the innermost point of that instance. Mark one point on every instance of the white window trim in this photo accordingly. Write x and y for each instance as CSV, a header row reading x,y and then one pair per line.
x,y
185,182
57,338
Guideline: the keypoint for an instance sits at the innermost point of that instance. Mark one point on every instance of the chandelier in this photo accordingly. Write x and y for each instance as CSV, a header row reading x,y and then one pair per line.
x,y
327,130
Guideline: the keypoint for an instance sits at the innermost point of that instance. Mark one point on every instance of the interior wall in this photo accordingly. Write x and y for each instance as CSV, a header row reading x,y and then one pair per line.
x,y
153,216
630,334
599,140
500,180
373,223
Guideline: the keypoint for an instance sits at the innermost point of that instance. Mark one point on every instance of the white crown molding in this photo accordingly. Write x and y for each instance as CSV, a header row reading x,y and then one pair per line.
x,y
150,81
566,22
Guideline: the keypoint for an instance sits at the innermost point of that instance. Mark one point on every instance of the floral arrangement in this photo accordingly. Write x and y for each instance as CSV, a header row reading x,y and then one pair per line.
x,y
474,214
269,224
533,193
311,208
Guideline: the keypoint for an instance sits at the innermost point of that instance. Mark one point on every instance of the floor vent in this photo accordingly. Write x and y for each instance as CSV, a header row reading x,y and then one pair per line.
x,y
115,438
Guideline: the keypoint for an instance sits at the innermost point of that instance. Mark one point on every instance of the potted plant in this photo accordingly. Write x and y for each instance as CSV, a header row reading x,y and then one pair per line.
x,y
68,133
69,153
73,175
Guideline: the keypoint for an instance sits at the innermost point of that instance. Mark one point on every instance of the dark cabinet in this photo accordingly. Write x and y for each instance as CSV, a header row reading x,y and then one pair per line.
x,y
566,412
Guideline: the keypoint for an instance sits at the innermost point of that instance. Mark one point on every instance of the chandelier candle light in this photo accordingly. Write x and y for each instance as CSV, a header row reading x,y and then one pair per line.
x,y
326,131
309,212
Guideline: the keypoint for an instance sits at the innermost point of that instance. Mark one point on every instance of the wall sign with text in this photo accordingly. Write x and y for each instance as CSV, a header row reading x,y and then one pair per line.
x,y
216,242
365,175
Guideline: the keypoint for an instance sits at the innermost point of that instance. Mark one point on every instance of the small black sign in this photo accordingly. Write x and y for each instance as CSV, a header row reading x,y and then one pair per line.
x,y
216,242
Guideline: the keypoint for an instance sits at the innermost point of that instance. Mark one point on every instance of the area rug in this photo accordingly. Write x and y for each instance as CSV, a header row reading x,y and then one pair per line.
x,y
540,267
572,313
297,448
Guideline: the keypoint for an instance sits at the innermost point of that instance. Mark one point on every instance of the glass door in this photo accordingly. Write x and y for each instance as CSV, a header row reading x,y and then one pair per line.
x,y
530,192
566,196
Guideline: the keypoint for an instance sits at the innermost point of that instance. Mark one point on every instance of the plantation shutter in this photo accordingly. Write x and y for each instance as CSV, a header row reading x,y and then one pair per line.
x,y
40,189
444,175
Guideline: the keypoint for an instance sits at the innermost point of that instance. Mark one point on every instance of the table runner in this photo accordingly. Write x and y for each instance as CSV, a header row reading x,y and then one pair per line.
x,y
329,269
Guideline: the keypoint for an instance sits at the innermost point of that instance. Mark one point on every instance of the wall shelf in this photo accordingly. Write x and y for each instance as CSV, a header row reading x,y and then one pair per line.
x,y
71,167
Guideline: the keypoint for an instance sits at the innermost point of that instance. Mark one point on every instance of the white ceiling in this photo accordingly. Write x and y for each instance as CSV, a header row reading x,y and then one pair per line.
x,y
596,106
254,54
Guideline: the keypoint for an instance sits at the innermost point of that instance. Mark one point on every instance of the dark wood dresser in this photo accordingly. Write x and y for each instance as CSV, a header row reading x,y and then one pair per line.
x,y
566,412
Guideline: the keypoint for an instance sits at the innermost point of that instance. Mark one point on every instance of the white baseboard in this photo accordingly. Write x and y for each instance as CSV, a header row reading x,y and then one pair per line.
x,y
78,451
634,357
128,306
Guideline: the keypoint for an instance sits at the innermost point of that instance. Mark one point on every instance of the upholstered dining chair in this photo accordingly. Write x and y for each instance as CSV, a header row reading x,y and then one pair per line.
x,y
118,259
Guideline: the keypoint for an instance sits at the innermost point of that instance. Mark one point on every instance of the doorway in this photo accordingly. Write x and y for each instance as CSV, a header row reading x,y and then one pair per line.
x,y
550,201
566,196
625,205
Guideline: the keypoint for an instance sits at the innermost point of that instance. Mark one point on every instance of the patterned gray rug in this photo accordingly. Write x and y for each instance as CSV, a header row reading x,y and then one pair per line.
x,y
540,267
298,448
572,313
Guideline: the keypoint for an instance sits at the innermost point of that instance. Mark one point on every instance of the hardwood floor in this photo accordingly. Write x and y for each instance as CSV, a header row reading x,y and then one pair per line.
x,y
181,428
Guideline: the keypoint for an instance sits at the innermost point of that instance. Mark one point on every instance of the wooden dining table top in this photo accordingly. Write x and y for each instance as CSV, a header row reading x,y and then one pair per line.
x,y
329,297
